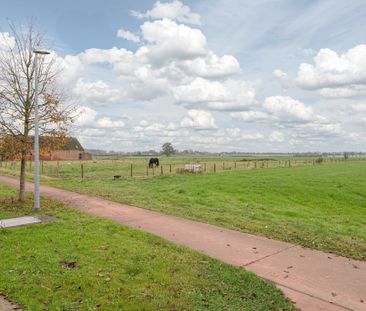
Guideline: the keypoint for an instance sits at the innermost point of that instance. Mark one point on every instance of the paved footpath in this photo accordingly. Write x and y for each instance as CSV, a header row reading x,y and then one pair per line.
x,y
313,279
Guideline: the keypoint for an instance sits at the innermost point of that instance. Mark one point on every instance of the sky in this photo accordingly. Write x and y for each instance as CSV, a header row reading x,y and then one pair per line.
x,y
218,75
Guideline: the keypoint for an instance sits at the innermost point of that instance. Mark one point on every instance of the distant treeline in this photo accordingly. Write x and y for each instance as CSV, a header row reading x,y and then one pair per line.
x,y
97,152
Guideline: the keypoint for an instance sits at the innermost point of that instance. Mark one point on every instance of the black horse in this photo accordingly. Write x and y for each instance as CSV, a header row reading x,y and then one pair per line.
x,y
154,162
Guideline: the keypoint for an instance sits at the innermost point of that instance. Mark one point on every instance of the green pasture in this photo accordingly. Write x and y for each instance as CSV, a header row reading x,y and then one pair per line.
x,y
320,206
83,262
137,167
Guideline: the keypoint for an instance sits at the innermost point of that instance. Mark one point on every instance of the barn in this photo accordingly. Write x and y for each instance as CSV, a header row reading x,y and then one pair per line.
x,y
68,148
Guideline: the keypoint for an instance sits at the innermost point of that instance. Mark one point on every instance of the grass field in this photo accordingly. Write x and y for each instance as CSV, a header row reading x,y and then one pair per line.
x,y
137,167
86,263
321,207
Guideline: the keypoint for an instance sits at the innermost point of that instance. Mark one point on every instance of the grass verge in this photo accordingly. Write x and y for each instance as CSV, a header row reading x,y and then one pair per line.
x,y
83,262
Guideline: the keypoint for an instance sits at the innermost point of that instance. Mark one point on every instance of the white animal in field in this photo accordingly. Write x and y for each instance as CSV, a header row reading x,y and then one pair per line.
x,y
194,168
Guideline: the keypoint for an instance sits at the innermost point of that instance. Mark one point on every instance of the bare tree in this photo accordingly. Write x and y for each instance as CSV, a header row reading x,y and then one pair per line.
x,y
17,94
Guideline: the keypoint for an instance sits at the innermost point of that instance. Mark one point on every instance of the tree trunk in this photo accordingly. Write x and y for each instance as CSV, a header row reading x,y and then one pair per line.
x,y
23,163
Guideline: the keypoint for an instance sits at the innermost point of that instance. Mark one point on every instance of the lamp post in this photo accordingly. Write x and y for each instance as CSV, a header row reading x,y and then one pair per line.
x,y
36,130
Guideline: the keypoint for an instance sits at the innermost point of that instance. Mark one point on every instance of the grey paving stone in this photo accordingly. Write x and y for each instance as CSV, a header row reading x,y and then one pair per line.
x,y
19,221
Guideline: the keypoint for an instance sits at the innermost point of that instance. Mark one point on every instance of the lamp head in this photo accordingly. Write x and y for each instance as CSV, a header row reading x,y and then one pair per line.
x,y
41,52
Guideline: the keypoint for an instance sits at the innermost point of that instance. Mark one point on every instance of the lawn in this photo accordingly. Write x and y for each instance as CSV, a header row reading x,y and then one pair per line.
x,y
321,207
83,262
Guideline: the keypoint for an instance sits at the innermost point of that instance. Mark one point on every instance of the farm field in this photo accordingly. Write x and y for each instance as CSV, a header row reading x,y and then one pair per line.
x,y
137,167
321,207
86,263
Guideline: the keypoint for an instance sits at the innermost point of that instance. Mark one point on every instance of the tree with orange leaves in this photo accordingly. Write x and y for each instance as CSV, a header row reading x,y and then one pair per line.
x,y
17,94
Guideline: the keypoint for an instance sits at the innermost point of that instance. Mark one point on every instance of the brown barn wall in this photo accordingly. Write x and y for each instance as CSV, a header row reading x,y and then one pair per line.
x,y
70,155
63,155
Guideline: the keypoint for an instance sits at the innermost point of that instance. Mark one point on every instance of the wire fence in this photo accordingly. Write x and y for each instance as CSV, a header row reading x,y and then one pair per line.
x,y
139,168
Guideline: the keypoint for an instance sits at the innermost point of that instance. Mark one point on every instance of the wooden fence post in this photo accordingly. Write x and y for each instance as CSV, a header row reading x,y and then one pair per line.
x,y
170,168
235,165
223,166
161,170
131,171
204,166
147,170
214,167
255,164
82,171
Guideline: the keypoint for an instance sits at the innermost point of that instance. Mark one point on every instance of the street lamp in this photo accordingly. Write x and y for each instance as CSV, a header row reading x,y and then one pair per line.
x,y
36,129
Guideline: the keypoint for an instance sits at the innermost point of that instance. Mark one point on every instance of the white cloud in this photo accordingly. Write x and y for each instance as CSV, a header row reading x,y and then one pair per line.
x,y
279,73
344,92
288,109
277,137
293,115
215,95
171,41
212,66
360,107
357,137
72,69
125,34
283,78
174,10
6,41
250,116
111,56
199,119
96,93
169,63
106,122
333,70
317,130
85,116
173,74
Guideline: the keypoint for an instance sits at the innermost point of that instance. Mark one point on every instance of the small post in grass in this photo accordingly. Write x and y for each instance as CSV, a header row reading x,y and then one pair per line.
x,y
214,167
131,170
147,170
161,170
170,168
82,171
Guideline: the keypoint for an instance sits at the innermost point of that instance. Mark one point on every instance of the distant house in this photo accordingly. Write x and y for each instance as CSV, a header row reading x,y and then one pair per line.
x,y
68,148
